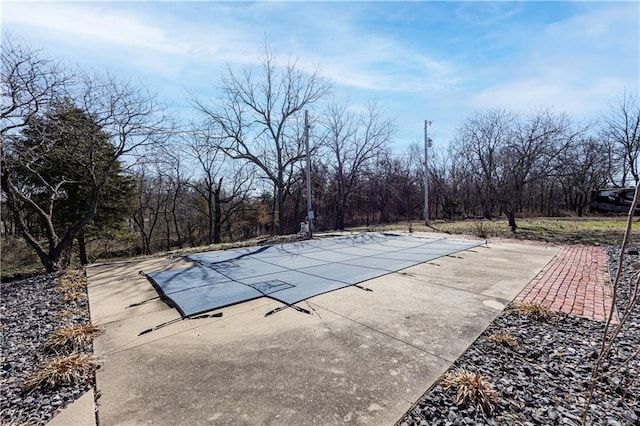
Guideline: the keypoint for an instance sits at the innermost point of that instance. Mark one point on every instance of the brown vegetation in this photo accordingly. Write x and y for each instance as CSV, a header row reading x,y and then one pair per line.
x,y
471,388
58,371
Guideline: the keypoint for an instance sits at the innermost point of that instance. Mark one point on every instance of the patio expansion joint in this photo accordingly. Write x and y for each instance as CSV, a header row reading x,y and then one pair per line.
x,y
127,346
383,333
452,287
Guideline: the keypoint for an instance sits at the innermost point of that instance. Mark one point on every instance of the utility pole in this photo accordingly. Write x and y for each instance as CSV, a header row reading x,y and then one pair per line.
x,y
427,144
310,214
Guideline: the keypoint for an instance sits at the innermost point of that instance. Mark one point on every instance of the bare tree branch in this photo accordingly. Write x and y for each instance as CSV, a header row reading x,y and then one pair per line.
x,y
256,118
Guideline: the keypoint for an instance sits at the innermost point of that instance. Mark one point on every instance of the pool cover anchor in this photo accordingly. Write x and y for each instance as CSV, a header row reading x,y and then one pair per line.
x,y
281,308
133,305
362,288
175,320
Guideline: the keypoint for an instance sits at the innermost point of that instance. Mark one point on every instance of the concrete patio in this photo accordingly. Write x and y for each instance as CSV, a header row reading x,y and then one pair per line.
x,y
360,357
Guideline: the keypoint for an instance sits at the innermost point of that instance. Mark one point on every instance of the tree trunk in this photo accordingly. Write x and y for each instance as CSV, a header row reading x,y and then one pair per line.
x,y
217,217
65,255
339,218
82,248
146,244
281,212
210,219
167,225
175,219
177,228
274,206
580,204
511,217
49,265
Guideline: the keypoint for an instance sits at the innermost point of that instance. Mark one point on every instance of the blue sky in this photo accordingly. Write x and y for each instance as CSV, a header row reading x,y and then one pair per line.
x,y
422,60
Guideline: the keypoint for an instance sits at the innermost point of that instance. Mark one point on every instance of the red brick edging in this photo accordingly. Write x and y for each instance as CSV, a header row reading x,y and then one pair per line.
x,y
575,281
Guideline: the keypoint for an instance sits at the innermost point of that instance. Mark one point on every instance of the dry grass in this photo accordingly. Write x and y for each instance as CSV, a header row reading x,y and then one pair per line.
x,y
71,369
71,338
73,285
533,310
13,423
471,389
504,339
67,313
72,296
568,230
72,280
18,260
481,228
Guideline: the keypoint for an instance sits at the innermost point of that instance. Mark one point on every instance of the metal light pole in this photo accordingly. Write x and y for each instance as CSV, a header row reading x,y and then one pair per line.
x,y
427,144
306,139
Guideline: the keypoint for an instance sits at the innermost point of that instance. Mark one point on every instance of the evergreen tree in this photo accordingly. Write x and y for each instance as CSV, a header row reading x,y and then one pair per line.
x,y
59,175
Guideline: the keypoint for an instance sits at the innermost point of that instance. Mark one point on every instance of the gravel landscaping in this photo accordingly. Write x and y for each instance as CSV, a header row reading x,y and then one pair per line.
x,y
539,369
31,311
541,376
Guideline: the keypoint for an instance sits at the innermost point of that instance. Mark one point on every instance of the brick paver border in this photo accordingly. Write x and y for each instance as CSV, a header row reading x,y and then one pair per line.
x,y
575,281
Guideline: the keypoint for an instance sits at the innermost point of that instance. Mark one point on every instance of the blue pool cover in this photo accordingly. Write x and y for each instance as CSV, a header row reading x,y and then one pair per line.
x,y
293,272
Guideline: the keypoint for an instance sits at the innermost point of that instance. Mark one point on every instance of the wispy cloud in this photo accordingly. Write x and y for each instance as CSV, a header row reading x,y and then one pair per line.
x,y
576,64
528,94
447,58
335,43
79,23
383,65
487,13
367,57
147,40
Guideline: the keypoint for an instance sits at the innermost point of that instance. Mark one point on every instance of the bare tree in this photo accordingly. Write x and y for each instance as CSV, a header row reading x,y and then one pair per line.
x,y
531,155
444,181
512,152
622,129
606,364
582,169
131,115
479,143
105,120
389,189
216,191
257,119
171,161
30,83
147,204
352,140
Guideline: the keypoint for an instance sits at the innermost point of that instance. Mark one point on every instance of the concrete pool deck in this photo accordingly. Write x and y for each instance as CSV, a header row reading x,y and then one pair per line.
x,y
360,357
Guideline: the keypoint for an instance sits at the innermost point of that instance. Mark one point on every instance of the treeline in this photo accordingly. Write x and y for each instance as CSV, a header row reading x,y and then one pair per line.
x,y
92,162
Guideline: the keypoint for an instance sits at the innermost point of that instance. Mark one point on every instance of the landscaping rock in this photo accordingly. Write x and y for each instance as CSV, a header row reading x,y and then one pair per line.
x,y
30,311
544,380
